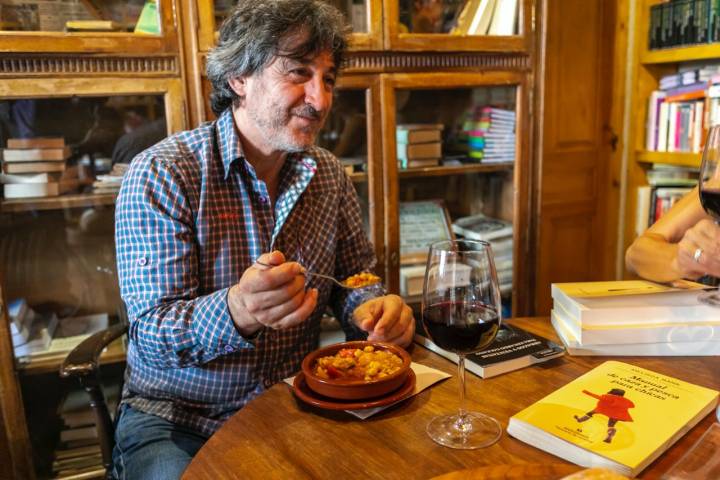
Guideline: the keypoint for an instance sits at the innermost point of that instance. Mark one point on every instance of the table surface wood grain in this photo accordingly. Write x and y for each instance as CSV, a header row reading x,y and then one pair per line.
x,y
278,436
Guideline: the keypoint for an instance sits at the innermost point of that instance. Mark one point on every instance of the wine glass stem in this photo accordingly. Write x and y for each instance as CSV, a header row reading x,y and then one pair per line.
x,y
461,378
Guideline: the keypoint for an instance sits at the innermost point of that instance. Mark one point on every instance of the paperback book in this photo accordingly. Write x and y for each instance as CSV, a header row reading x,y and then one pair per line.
x,y
512,349
616,416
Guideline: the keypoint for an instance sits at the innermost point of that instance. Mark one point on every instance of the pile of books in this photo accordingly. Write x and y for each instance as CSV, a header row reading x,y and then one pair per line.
x,y
36,167
491,135
634,318
499,234
77,454
419,144
44,337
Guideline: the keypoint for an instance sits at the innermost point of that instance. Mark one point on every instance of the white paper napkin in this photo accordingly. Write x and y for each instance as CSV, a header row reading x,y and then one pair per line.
x,y
424,377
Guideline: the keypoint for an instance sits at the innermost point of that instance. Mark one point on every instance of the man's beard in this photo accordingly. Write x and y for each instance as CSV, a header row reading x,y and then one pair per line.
x,y
278,132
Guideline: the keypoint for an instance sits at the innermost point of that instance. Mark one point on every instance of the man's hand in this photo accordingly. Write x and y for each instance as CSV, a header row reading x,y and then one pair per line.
x,y
386,319
274,297
704,235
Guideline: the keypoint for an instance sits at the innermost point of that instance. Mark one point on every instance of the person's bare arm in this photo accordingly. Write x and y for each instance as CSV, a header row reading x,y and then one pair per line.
x,y
665,251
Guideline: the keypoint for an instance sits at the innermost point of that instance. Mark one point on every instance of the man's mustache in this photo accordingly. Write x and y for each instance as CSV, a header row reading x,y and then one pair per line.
x,y
307,111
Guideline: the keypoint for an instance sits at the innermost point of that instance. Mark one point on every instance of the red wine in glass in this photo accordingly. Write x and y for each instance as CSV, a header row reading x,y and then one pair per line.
x,y
710,199
461,327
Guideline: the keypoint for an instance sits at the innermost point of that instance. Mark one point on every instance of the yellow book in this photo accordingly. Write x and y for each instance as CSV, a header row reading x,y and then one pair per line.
x,y
616,416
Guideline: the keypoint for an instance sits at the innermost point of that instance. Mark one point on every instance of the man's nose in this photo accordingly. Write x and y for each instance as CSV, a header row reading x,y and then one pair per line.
x,y
318,94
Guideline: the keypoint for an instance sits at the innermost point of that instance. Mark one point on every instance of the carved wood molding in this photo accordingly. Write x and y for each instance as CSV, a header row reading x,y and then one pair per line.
x,y
359,62
13,65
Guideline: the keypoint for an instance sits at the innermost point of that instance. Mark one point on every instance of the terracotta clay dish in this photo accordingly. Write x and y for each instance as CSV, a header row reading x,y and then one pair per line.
x,y
307,395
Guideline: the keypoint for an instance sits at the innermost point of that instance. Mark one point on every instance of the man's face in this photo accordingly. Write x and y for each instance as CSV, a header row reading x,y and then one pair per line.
x,y
286,104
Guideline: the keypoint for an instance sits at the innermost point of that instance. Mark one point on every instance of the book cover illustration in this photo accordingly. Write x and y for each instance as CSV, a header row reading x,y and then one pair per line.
x,y
622,412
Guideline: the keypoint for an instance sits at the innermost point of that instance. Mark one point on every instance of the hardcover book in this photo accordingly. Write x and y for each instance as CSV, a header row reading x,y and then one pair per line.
x,y
512,349
616,416
418,132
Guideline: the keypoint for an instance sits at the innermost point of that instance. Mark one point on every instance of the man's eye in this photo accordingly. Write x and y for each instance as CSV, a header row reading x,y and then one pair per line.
x,y
300,72
330,81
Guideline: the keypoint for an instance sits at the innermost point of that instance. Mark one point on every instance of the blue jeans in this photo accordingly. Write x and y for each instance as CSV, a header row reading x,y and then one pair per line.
x,y
150,447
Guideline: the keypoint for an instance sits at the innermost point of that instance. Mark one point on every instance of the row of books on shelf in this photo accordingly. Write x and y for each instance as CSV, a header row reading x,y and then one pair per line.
x,y
667,184
43,336
684,22
680,116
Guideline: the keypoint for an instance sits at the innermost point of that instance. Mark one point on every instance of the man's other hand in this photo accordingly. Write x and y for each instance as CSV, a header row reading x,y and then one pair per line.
x,y
386,319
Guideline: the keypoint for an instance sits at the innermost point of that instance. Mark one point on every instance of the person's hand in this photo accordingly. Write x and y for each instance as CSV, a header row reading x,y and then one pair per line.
x,y
386,319
704,235
273,297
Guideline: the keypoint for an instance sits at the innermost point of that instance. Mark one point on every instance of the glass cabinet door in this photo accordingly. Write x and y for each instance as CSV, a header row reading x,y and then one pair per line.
x,y
63,158
459,25
451,155
348,134
84,26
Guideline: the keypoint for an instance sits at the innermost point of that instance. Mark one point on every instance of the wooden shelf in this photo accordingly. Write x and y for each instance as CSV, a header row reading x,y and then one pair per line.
x,y
442,170
681,54
115,353
681,159
75,200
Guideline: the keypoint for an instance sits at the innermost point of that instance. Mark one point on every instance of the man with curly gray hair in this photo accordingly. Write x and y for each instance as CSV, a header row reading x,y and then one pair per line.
x,y
215,229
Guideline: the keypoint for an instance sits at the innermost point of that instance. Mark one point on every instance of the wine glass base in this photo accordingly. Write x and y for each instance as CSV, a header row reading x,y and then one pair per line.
x,y
476,431
710,297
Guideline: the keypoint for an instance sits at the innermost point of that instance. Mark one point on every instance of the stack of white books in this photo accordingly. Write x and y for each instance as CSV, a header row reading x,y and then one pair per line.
x,y
499,234
634,318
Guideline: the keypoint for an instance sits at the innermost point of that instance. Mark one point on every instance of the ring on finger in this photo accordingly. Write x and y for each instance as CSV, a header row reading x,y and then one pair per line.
x,y
697,254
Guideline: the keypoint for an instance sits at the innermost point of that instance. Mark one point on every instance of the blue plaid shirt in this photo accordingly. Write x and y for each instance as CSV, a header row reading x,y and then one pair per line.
x,y
191,217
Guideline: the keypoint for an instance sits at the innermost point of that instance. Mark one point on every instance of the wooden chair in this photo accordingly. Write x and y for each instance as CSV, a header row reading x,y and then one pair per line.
x,y
83,363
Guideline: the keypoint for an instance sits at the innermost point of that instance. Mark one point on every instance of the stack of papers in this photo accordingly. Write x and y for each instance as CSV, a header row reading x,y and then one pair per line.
x,y
634,318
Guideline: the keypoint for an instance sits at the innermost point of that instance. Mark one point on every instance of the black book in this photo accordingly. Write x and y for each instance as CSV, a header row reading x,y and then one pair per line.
x,y
513,349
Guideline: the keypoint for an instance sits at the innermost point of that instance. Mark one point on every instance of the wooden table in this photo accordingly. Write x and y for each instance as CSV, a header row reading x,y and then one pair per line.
x,y
278,436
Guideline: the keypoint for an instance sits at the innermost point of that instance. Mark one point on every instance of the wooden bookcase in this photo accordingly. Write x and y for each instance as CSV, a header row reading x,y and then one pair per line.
x,y
53,251
383,65
388,59
648,67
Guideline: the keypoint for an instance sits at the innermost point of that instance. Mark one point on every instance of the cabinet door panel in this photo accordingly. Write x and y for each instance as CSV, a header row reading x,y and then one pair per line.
x,y
574,108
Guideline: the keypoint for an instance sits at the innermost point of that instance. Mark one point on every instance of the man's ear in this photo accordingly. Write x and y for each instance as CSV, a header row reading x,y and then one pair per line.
x,y
239,85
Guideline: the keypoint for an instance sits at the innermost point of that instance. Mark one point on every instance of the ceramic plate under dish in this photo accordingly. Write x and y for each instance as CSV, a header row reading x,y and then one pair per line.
x,y
304,393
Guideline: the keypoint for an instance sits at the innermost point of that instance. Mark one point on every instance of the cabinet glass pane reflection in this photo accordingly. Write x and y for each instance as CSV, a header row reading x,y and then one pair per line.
x,y
345,135
56,232
355,12
459,17
139,16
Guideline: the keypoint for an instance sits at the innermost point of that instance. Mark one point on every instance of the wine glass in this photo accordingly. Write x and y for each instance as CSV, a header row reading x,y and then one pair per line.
x,y
709,187
461,313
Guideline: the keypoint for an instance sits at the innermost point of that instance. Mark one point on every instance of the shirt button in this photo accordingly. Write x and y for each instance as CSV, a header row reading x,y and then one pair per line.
x,y
268,383
263,199
229,348
142,261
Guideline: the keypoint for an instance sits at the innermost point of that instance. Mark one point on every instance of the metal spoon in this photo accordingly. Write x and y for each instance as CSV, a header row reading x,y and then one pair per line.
x,y
320,275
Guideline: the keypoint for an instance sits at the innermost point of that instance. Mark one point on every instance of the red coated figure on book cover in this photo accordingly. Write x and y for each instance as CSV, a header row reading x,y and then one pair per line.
x,y
613,405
